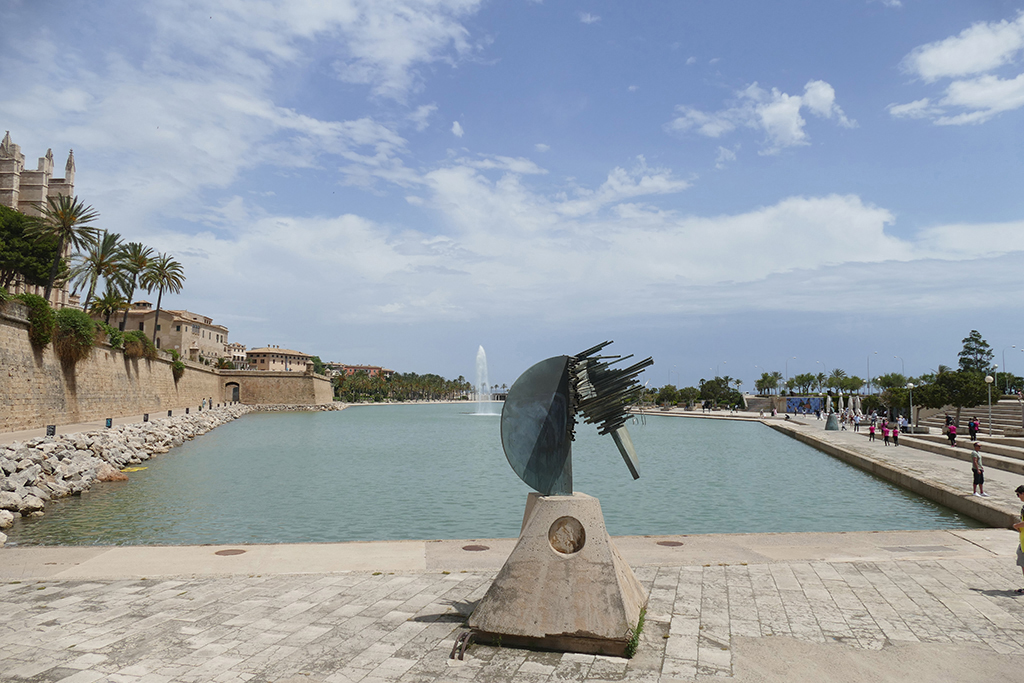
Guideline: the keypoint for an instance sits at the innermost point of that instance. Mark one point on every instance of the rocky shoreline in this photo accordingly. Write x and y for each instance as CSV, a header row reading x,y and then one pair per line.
x,y
42,469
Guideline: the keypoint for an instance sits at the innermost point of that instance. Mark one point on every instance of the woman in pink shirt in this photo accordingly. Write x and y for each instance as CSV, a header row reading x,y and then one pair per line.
x,y
885,433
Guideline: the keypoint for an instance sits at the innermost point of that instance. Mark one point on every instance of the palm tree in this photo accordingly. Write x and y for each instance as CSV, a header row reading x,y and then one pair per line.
x,y
776,379
135,258
162,273
102,260
108,304
66,219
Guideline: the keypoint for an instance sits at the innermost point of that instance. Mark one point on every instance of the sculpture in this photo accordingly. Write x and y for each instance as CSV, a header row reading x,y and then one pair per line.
x,y
565,586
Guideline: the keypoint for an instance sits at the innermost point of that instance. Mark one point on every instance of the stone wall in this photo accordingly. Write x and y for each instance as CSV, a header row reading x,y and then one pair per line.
x,y
261,387
36,390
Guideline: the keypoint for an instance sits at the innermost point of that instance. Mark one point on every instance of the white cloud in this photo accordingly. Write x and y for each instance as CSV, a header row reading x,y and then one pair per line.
x,y
775,113
457,129
588,18
974,95
977,49
541,147
511,164
420,117
633,88
725,157
690,61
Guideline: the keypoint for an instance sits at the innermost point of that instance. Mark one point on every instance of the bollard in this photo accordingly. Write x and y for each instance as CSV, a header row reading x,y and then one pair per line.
x,y
186,411
168,413
51,430
110,422
145,417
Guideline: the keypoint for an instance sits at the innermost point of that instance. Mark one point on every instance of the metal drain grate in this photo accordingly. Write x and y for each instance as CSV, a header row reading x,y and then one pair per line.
x,y
670,544
232,551
476,548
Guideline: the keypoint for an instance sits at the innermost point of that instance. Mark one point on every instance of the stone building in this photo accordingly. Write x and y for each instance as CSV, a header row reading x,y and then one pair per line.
x,y
349,370
22,189
274,358
192,335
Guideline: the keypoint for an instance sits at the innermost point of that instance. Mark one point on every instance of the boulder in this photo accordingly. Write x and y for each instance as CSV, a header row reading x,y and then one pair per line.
x,y
25,463
7,466
6,519
106,472
10,501
3,539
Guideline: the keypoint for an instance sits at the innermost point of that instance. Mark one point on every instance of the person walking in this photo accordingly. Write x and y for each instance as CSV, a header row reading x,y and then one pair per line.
x,y
979,471
1019,526
885,433
972,428
951,434
896,434
871,432
856,423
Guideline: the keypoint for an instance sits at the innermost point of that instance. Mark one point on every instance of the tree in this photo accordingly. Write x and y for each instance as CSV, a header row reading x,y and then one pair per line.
x,y
819,380
102,259
22,255
111,302
964,389
162,273
67,220
687,395
804,381
135,258
777,379
976,356
668,394
891,381
318,365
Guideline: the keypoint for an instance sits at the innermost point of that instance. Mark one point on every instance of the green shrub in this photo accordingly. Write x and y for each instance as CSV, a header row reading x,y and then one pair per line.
x,y
138,345
178,369
74,333
4,295
174,354
114,336
40,318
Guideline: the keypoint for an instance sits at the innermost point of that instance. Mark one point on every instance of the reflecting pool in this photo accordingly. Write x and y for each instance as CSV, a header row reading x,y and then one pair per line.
x,y
438,471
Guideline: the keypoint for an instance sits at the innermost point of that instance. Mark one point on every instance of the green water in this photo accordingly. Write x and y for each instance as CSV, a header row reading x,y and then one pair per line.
x,y
436,471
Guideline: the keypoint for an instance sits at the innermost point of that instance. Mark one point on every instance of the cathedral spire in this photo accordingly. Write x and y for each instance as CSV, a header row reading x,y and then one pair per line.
x,y
7,147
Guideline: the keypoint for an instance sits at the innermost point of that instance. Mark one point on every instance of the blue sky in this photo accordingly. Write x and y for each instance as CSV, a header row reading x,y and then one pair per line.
x,y
723,185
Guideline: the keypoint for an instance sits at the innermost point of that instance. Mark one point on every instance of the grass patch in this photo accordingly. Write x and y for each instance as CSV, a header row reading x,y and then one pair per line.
x,y
634,634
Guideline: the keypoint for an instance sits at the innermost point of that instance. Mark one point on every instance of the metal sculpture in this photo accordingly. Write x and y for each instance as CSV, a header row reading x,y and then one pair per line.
x,y
538,420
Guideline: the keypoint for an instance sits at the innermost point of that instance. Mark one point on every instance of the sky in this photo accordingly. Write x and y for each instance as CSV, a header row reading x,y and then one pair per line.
x,y
731,187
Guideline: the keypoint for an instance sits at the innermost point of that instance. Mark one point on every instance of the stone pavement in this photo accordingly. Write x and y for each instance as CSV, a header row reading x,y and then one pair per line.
x,y
855,606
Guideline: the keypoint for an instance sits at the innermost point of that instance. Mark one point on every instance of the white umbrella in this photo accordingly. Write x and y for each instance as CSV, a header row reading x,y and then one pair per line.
x,y
828,404
841,403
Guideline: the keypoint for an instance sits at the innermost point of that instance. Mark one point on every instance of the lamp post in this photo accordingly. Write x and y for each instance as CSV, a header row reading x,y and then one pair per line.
x,y
869,372
1006,374
910,387
988,380
787,366
903,369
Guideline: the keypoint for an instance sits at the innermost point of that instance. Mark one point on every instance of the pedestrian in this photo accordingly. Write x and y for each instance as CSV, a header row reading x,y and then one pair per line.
x,y
979,471
871,432
856,423
1019,526
896,435
972,428
951,434
885,433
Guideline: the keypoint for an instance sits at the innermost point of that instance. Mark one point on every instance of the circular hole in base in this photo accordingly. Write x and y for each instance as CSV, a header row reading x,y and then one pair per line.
x,y
475,548
567,535
670,544
232,551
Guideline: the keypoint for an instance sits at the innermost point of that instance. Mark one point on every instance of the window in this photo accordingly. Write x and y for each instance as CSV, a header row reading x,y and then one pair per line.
x,y
158,339
142,326
177,328
158,327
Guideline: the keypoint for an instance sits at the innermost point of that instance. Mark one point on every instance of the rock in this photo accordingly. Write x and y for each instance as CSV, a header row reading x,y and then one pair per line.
x,y
24,464
8,466
3,539
6,519
37,492
9,501
106,472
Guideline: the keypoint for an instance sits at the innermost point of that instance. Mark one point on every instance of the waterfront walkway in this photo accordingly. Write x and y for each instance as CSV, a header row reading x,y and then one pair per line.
x,y
856,606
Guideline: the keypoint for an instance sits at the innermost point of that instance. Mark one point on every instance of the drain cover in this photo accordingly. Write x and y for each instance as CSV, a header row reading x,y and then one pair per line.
x,y
232,551
670,544
475,548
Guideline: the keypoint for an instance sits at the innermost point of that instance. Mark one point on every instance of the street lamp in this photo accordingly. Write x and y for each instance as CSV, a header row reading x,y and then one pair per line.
x,y
869,372
988,380
903,370
787,366
1005,374
910,387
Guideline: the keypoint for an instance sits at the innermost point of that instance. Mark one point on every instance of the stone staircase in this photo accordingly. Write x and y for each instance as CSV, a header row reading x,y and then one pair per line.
x,y
1006,416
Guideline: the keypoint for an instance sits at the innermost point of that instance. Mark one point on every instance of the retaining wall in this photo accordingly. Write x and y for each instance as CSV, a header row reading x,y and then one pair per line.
x,y
36,389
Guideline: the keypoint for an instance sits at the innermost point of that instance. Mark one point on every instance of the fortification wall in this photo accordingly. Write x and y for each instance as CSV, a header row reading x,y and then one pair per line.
x,y
258,387
36,390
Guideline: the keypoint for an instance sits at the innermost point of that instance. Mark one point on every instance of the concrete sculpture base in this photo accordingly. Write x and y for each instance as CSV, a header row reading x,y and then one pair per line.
x,y
565,587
